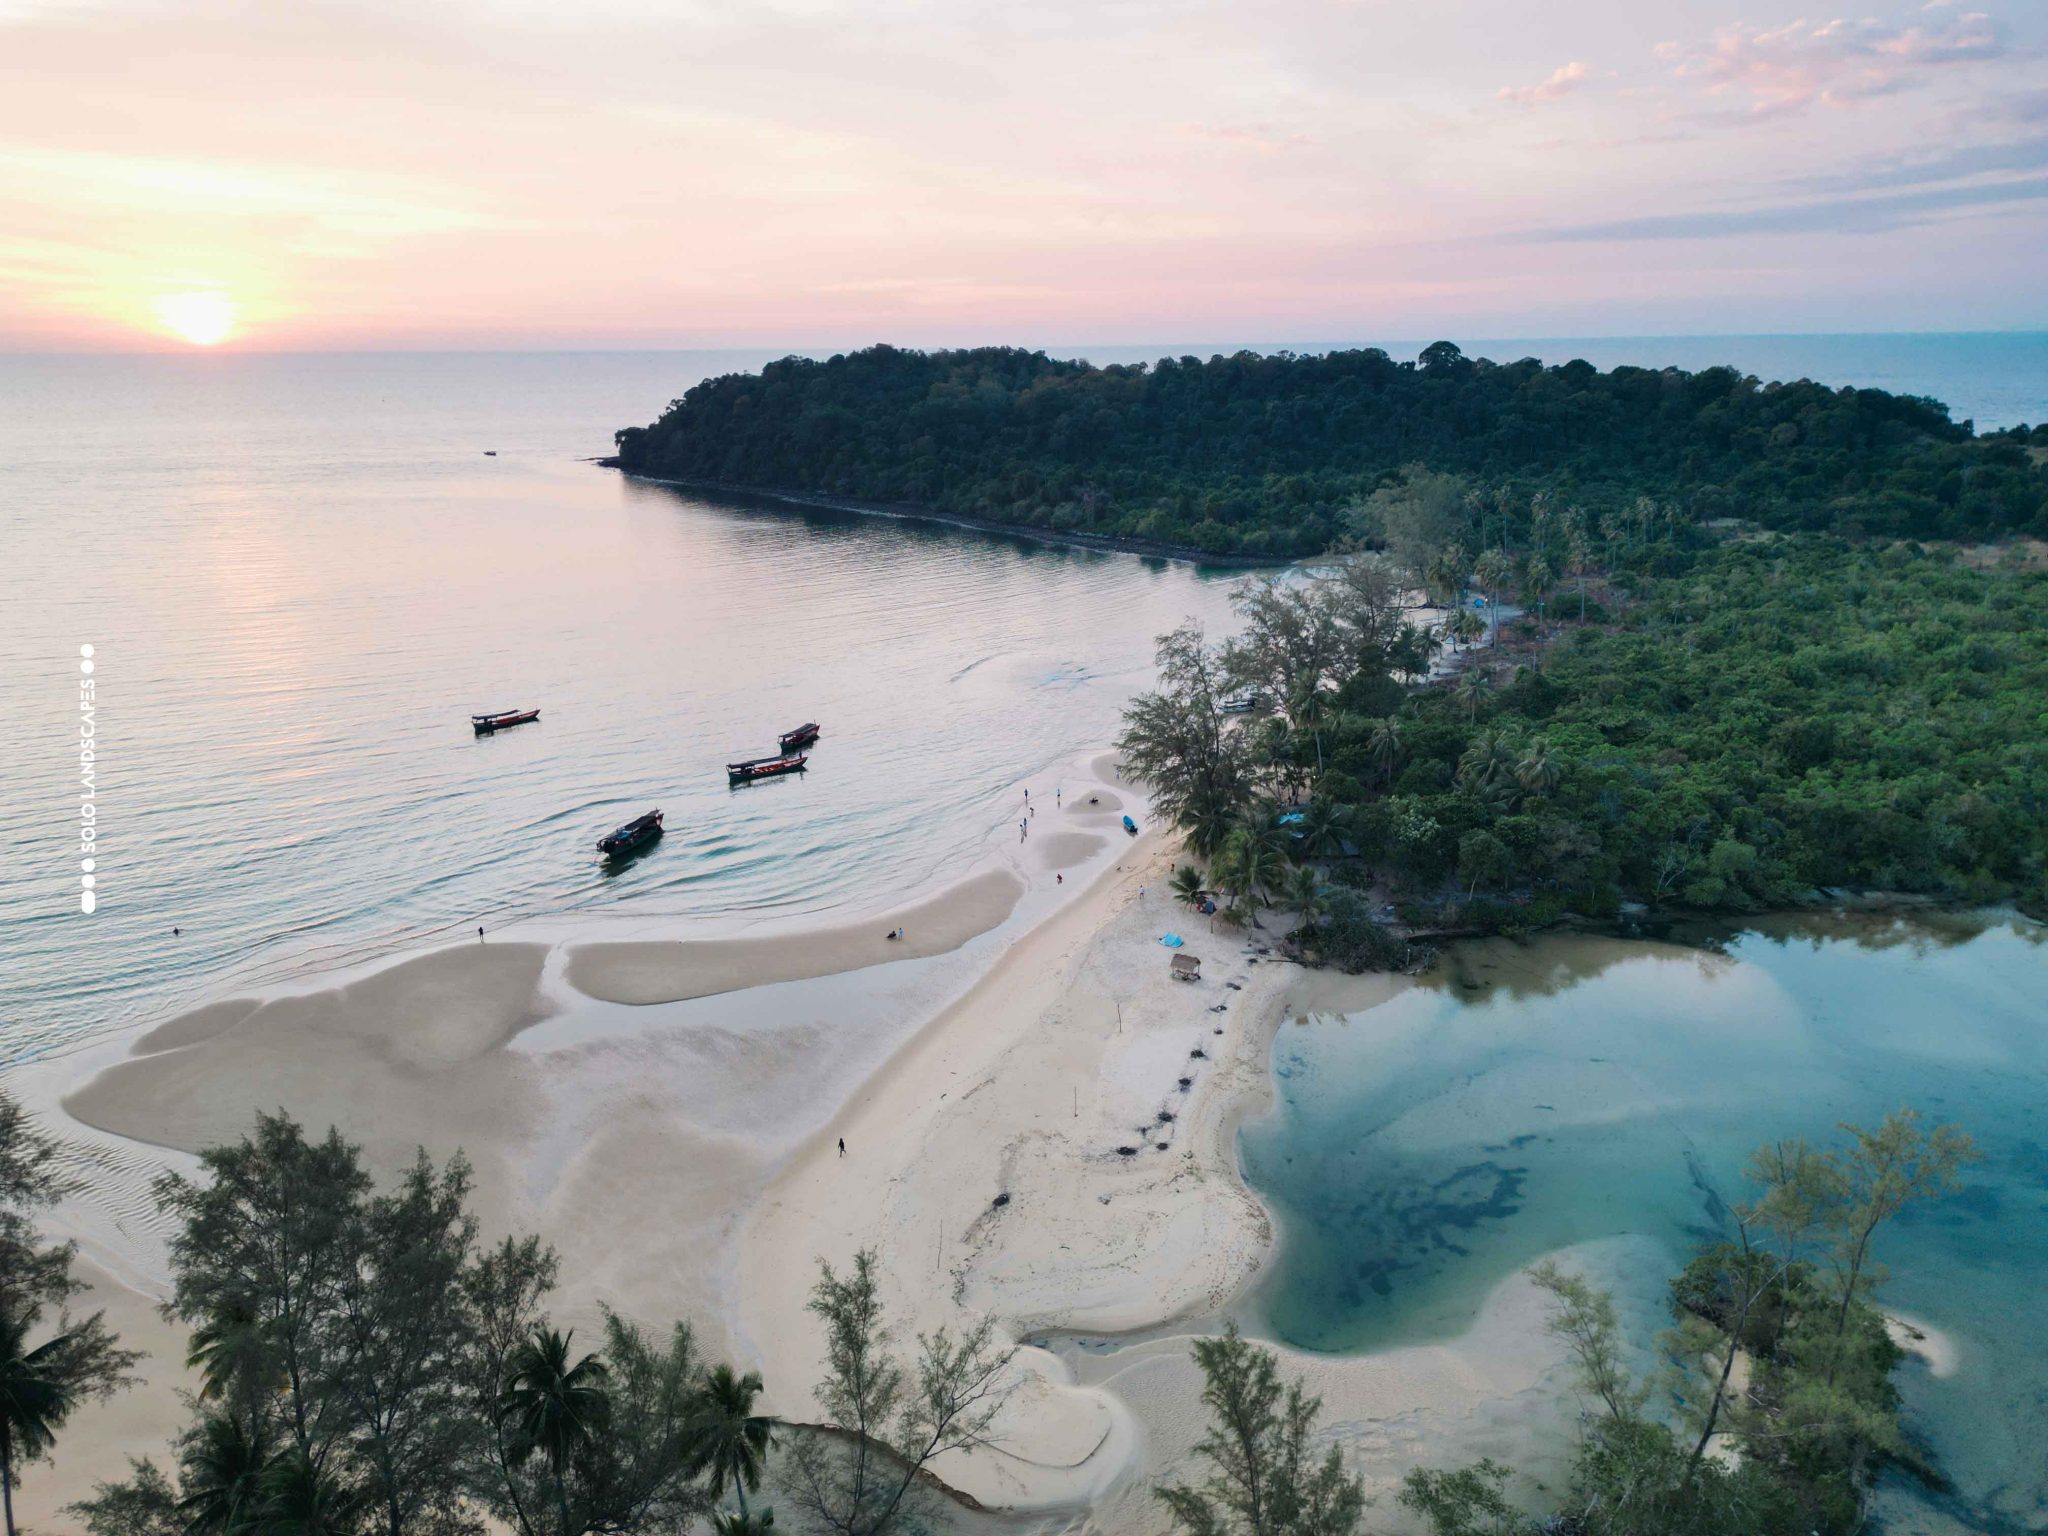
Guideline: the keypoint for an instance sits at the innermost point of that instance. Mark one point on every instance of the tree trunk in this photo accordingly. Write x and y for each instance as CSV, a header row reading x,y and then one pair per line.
x,y
7,1474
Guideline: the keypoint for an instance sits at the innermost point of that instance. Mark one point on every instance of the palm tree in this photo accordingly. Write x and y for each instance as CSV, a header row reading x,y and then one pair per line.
x,y
1578,560
1186,884
552,1407
1465,626
298,1497
1494,570
1538,771
1324,828
36,1397
732,1439
1472,689
1305,894
1444,577
230,1349
1309,708
1488,764
740,1523
1384,747
223,1477
1537,579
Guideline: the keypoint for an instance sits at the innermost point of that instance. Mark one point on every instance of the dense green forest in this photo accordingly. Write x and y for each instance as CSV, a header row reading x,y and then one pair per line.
x,y
1268,455
1686,723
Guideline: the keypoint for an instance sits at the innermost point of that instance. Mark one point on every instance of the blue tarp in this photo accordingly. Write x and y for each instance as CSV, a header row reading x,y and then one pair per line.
x,y
1292,817
1172,940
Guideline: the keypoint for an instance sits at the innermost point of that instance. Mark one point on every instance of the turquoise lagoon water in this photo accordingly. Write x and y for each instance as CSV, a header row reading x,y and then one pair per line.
x,y
1526,1098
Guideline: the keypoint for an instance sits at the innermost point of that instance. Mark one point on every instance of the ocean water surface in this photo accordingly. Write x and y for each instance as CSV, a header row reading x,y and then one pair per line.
x,y
1527,1098
301,575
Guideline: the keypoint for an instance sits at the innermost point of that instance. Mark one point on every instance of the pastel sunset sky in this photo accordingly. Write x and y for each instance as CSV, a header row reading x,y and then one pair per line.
x,y
319,173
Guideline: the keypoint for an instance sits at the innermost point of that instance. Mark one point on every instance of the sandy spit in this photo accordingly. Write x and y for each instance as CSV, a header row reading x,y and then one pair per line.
x,y
673,971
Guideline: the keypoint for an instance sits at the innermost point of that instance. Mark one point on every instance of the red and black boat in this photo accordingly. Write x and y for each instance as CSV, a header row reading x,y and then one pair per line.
x,y
765,767
485,724
802,736
637,833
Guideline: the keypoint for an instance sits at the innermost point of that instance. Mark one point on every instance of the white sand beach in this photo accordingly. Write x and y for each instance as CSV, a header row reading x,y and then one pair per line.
x,y
668,1112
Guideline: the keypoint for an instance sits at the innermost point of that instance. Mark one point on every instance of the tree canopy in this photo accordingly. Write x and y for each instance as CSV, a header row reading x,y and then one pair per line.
x,y
1257,455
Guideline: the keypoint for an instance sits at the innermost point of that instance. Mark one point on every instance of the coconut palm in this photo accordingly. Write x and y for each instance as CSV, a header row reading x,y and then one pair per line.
x,y
1537,579
1578,561
1383,745
1465,626
36,1397
1309,707
223,1477
1494,572
1186,885
1305,894
1325,827
552,1407
740,1523
231,1349
1444,577
1538,771
732,1439
1472,691
299,1497
1488,764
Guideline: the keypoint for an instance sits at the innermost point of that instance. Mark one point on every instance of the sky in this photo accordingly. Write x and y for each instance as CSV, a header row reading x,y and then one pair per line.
x,y
311,174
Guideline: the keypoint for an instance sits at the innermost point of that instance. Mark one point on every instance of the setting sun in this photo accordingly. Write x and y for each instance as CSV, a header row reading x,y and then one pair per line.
x,y
200,318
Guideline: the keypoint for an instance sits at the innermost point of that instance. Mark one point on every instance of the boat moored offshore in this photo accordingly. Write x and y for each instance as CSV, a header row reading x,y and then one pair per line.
x,y
637,833
485,724
765,767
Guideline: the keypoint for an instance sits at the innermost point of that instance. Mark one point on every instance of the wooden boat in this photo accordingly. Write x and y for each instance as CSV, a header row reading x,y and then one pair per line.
x,y
1242,704
1130,826
765,768
802,736
636,833
485,724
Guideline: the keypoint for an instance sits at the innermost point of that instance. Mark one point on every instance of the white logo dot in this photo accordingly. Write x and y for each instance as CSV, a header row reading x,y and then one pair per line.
x,y
85,666
86,901
85,650
86,865
86,881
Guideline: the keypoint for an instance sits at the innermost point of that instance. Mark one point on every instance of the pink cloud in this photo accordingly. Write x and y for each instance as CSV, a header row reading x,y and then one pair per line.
x,y
1833,63
1562,81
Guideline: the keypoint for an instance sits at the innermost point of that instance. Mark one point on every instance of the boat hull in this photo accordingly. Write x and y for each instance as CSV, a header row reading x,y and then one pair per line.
x,y
483,725
632,837
764,768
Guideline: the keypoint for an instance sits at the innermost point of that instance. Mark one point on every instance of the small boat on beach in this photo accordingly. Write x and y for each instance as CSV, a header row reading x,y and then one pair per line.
x,y
637,833
485,724
1242,704
1130,826
765,768
802,736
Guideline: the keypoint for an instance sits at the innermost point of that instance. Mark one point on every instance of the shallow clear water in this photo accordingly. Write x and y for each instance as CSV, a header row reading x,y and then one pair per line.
x,y
302,575
1528,1098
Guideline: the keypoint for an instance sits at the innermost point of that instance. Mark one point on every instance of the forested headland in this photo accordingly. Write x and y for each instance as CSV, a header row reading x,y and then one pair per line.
x,y
1270,456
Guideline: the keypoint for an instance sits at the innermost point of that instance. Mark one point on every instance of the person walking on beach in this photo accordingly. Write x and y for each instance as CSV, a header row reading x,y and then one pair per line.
x,y
479,933
842,1146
